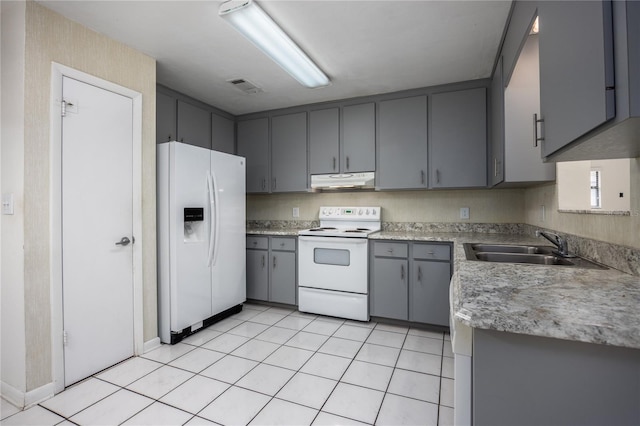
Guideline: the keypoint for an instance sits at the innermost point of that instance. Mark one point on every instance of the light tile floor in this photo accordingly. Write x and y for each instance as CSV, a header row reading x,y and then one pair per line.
x,y
268,366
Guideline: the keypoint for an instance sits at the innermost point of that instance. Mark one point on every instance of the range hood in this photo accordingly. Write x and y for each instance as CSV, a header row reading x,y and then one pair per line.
x,y
364,180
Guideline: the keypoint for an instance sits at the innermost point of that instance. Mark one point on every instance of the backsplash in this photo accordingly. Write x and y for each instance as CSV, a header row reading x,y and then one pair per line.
x,y
625,259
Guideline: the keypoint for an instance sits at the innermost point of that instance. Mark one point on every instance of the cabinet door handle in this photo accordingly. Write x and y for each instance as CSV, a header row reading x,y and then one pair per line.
x,y
275,181
422,177
347,162
437,176
495,166
334,164
402,272
264,183
419,274
169,138
263,261
390,250
274,261
536,138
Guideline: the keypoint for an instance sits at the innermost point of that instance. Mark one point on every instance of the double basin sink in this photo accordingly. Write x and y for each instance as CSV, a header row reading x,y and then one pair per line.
x,y
528,254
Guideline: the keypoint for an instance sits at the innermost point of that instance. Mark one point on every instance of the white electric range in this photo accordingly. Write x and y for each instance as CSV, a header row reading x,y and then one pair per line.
x,y
333,269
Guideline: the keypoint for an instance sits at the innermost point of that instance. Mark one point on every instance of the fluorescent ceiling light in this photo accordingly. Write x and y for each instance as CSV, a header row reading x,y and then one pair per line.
x,y
253,23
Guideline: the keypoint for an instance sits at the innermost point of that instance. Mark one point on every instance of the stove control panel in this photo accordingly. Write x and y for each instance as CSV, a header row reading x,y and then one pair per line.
x,y
352,213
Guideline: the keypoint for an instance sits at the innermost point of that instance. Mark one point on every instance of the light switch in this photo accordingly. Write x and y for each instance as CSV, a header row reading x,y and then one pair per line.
x,y
7,203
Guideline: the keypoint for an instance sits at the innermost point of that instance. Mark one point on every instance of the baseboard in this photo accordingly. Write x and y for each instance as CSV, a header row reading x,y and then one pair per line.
x,y
151,345
13,395
38,395
26,399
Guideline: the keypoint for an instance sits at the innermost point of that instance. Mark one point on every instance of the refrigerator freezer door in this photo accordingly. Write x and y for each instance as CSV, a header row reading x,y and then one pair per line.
x,y
191,277
228,258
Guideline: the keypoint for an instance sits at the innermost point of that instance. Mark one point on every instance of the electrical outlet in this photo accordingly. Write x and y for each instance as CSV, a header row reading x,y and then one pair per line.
x,y
464,212
296,212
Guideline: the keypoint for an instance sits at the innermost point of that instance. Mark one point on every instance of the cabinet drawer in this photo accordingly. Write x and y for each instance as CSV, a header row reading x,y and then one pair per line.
x,y
432,251
258,243
390,249
285,244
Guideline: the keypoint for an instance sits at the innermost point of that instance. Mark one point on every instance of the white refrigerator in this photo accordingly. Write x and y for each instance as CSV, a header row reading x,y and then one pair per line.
x,y
201,238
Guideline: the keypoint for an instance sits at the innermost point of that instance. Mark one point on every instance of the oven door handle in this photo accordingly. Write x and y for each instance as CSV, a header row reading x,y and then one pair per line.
x,y
340,240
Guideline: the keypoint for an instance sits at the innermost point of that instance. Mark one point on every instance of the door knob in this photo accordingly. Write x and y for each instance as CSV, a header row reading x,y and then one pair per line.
x,y
123,242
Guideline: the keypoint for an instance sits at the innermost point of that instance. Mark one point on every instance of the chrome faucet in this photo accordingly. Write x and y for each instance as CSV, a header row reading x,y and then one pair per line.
x,y
558,241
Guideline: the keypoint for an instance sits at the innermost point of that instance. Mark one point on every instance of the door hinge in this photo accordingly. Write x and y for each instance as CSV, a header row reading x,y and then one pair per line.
x,y
68,106
64,338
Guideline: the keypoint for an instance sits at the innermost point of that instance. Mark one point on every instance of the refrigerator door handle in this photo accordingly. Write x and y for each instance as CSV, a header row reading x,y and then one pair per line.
x,y
212,221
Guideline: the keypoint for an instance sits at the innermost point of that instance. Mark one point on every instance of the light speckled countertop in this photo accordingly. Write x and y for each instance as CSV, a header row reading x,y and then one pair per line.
x,y
273,232
586,305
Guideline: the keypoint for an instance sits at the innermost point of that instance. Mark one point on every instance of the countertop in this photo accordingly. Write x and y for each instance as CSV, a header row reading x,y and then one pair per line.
x,y
586,305
273,232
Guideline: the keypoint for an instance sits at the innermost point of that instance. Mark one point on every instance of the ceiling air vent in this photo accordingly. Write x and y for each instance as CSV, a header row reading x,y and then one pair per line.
x,y
245,85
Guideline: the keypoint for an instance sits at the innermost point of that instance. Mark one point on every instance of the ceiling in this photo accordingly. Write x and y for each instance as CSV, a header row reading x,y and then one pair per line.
x,y
365,47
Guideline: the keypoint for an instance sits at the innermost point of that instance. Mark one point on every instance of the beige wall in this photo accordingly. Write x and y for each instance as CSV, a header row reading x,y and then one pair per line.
x,y
51,37
12,153
622,230
499,206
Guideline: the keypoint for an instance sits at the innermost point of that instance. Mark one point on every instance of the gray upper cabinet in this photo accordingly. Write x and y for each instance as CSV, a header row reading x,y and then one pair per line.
x,y
402,143
165,118
458,143
496,155
194,125
222,134
358,138
253,144
289,152
324,141
523,162
576,69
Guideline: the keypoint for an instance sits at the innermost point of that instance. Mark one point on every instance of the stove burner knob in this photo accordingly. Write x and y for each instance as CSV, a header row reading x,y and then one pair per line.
x,y
360,212
367,212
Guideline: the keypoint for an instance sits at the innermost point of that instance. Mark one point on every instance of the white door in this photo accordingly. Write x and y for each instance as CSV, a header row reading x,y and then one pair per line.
x,y
97,213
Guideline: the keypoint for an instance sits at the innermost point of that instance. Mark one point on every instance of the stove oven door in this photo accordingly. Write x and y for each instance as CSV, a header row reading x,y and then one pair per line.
x,y
333,263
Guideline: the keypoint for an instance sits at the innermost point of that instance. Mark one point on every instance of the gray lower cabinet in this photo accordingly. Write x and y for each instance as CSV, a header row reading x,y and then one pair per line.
x,y
253,144
410,281
530,380
289,152
389,290
223,134
271,269
165,118
257,274
458,139
194,125
402,143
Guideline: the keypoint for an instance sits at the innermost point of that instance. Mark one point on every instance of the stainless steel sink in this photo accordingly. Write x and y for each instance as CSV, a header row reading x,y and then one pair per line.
x,y
511,248
529,254
536,259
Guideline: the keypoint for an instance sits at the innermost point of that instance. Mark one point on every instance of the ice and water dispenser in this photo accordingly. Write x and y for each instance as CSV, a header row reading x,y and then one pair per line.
x,y
194,224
